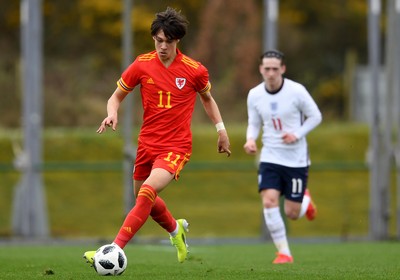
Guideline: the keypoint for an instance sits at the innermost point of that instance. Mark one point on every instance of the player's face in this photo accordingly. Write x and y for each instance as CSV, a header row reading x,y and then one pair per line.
x,y
166,48
272,70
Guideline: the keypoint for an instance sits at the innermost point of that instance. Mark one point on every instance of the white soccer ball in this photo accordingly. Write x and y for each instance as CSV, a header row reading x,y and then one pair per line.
x,y
110,259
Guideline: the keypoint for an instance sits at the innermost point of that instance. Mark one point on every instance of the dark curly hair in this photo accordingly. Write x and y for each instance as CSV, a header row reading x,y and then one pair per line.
x,y
172,22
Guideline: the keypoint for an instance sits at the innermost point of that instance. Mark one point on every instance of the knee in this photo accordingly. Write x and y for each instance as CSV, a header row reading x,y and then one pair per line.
x,y
270,198
270,202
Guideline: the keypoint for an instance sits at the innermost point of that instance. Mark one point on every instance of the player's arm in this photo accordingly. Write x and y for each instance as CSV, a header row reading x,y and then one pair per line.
x,y
253,128
112,110
312,113
212,110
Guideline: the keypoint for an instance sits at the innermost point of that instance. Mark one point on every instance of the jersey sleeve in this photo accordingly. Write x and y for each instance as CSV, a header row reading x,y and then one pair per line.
x,y
130,78
254,119
311,112
203,84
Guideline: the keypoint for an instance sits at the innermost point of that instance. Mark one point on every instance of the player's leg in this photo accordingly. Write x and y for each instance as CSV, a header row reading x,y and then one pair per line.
x,y
162,216
157,181
159,212
176,228
276,225
173,163
145,198
297,179
269,188
143,203
308,207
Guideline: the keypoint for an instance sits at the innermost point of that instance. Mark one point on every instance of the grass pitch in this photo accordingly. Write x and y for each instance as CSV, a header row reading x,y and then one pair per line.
x,y
352,260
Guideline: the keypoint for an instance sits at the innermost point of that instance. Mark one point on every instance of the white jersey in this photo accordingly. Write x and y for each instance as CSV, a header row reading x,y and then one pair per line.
x,y
292,110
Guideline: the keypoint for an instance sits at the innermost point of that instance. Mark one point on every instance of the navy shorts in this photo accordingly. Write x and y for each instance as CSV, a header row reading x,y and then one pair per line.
x,y
290,181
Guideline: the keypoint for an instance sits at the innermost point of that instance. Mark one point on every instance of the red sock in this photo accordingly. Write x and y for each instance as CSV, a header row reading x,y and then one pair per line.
x,y
137,216
162,216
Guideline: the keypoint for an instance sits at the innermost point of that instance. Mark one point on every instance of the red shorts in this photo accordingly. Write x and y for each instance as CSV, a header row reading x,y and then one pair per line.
x,y
148,159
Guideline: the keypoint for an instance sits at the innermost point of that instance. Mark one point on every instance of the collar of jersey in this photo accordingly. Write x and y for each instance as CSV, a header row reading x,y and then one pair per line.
x,y
275,91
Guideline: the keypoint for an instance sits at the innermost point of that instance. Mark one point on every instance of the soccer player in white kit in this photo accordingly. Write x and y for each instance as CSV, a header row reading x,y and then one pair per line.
x,y
286,113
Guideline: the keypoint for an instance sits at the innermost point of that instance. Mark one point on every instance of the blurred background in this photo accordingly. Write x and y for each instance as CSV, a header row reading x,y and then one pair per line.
x,y
326,49
82,52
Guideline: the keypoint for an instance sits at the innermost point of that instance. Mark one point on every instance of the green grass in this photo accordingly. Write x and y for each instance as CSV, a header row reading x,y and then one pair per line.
x,y
241,261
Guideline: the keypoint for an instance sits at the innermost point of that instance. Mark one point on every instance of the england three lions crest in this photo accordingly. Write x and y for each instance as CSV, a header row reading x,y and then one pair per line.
x,y
180,82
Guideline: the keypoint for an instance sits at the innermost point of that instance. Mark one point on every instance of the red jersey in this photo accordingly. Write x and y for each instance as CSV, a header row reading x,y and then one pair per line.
x,y
168,98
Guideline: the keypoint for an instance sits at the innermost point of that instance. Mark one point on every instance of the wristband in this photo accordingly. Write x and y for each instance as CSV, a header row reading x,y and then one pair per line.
x,y
220,126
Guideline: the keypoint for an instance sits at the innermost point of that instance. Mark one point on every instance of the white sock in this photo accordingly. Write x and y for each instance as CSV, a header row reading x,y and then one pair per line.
x,y
175,232
277,229
304,205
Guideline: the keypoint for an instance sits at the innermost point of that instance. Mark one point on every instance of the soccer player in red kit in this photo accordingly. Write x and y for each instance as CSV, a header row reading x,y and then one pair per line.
x,y
169,82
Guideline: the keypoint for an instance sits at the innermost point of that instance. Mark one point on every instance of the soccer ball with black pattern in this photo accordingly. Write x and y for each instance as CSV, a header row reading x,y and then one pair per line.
x,y
110,260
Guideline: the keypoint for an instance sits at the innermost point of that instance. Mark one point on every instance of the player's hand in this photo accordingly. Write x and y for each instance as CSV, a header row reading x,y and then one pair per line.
x,y
250,147
223,142
108,122
289,138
